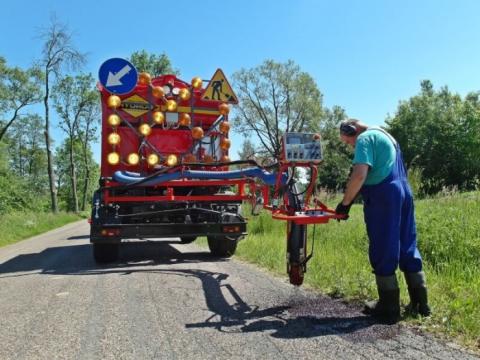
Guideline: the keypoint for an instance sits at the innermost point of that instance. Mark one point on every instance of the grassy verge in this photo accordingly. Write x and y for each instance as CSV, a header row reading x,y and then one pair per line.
x,y
21,225
449,240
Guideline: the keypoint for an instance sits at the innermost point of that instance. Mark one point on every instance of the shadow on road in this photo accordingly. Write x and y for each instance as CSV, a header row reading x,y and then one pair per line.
x,y
295,319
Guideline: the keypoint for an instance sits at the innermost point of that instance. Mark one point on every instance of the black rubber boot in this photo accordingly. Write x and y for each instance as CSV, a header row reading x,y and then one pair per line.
x,y
417,290
387,308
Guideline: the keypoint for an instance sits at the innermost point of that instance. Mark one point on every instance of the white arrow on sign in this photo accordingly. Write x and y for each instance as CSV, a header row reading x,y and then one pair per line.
x,y
114,79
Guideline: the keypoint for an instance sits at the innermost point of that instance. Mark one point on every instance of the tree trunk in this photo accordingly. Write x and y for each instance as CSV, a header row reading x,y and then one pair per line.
x,y
51,171
73,177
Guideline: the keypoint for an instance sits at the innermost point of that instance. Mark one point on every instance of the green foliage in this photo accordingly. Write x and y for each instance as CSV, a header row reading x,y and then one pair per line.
x,y
439,133
275,98
334,170
153,64
21,225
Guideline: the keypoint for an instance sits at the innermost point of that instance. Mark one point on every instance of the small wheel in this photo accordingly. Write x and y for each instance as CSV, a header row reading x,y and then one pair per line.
x,y
187,239
295,274
222,246
105,253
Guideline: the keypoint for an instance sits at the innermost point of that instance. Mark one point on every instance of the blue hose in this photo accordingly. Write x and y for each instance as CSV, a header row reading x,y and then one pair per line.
x,y
127,177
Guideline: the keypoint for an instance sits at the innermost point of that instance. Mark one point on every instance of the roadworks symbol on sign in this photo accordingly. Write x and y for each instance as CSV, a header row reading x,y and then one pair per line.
x,y
219,89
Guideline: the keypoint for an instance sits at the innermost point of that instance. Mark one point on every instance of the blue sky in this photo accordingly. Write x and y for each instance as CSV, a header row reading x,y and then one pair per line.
x,y
364,55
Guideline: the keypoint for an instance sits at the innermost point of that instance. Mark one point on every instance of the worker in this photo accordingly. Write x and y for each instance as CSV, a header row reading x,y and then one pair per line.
x,y
379,174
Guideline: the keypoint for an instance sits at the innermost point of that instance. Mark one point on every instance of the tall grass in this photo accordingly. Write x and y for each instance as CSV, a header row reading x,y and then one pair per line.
x,y
449,240
17,226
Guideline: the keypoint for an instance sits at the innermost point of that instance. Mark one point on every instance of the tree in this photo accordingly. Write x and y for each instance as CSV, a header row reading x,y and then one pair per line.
x,y
153,64
337,157
58,52
73,98
439,133
18,89
248,151
276,98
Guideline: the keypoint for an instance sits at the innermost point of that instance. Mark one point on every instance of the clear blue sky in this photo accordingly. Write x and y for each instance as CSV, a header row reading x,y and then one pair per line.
x,y
365,55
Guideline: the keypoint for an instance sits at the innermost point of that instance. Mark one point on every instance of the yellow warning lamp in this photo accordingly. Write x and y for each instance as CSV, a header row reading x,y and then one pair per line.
x,y
145,129
158,117
113,139
208,159
172,160
113,158
224,127
144,78
171,105
152,159
225,144
197,83
158,92
225,159
224,109
133,159
197,133
113,120
184,119
184,94
189,158
114,102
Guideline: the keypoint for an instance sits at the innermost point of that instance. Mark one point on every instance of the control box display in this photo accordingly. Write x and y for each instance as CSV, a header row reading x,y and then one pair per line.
x,y
302,147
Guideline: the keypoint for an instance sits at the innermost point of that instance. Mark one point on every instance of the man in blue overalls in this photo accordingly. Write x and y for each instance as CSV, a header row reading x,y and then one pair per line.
x,y
380,176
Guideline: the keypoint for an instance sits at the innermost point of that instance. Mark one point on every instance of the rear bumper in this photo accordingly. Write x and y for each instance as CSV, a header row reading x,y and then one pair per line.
x,y
112,233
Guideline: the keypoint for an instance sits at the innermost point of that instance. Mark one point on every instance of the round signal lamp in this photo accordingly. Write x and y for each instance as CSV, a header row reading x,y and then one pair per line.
x,y
113,139
172,160
225,159
197,133
184,94
113,120
133,159
189,158
158,117
171,105
224,109
152,159
184,119
113,158
144,78
224,127
197,82
208,159
157,91
145,129
114,102
225,144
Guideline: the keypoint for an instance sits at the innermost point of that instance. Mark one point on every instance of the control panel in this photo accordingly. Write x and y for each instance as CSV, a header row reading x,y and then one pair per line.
x,y
302,147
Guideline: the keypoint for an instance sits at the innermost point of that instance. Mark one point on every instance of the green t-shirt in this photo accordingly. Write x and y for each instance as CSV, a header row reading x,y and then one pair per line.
x,y
376,149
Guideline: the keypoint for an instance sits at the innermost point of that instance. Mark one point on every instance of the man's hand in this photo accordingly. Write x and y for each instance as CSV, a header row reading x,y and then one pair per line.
x,y
343,210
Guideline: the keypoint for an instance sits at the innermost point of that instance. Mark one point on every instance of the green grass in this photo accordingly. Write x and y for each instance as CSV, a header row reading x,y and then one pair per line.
x,y
17,226
449,240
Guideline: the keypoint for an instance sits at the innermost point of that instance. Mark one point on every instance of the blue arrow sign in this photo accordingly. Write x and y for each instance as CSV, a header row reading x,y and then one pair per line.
x,y
118,76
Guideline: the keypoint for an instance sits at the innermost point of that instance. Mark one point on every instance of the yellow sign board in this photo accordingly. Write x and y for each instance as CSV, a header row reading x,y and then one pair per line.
x,y
136,106
219,89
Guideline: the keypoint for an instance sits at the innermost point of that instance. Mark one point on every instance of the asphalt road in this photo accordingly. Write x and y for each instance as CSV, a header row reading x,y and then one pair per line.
x,y
165,300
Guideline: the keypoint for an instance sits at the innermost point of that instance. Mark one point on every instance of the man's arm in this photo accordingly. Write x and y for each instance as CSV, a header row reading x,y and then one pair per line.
x,y
355,182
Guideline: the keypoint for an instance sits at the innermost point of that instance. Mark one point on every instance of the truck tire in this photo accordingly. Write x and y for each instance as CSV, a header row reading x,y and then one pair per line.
x,y
222,246
105,253
187,239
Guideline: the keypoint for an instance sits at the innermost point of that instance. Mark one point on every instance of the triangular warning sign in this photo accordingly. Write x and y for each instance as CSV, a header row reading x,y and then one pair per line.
x,y
219,89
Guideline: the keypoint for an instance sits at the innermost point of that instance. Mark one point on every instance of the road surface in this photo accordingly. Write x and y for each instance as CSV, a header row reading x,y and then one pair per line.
x,y
165,300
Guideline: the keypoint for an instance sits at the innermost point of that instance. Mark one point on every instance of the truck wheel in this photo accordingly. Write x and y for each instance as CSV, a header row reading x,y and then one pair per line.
x,y
222,246
105,253
187,239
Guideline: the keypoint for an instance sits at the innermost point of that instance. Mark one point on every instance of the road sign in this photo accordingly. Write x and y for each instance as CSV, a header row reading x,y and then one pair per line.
x,y
219,89
118,76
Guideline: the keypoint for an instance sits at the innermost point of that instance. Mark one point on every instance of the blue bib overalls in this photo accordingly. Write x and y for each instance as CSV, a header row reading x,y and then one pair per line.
x,y
389,216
